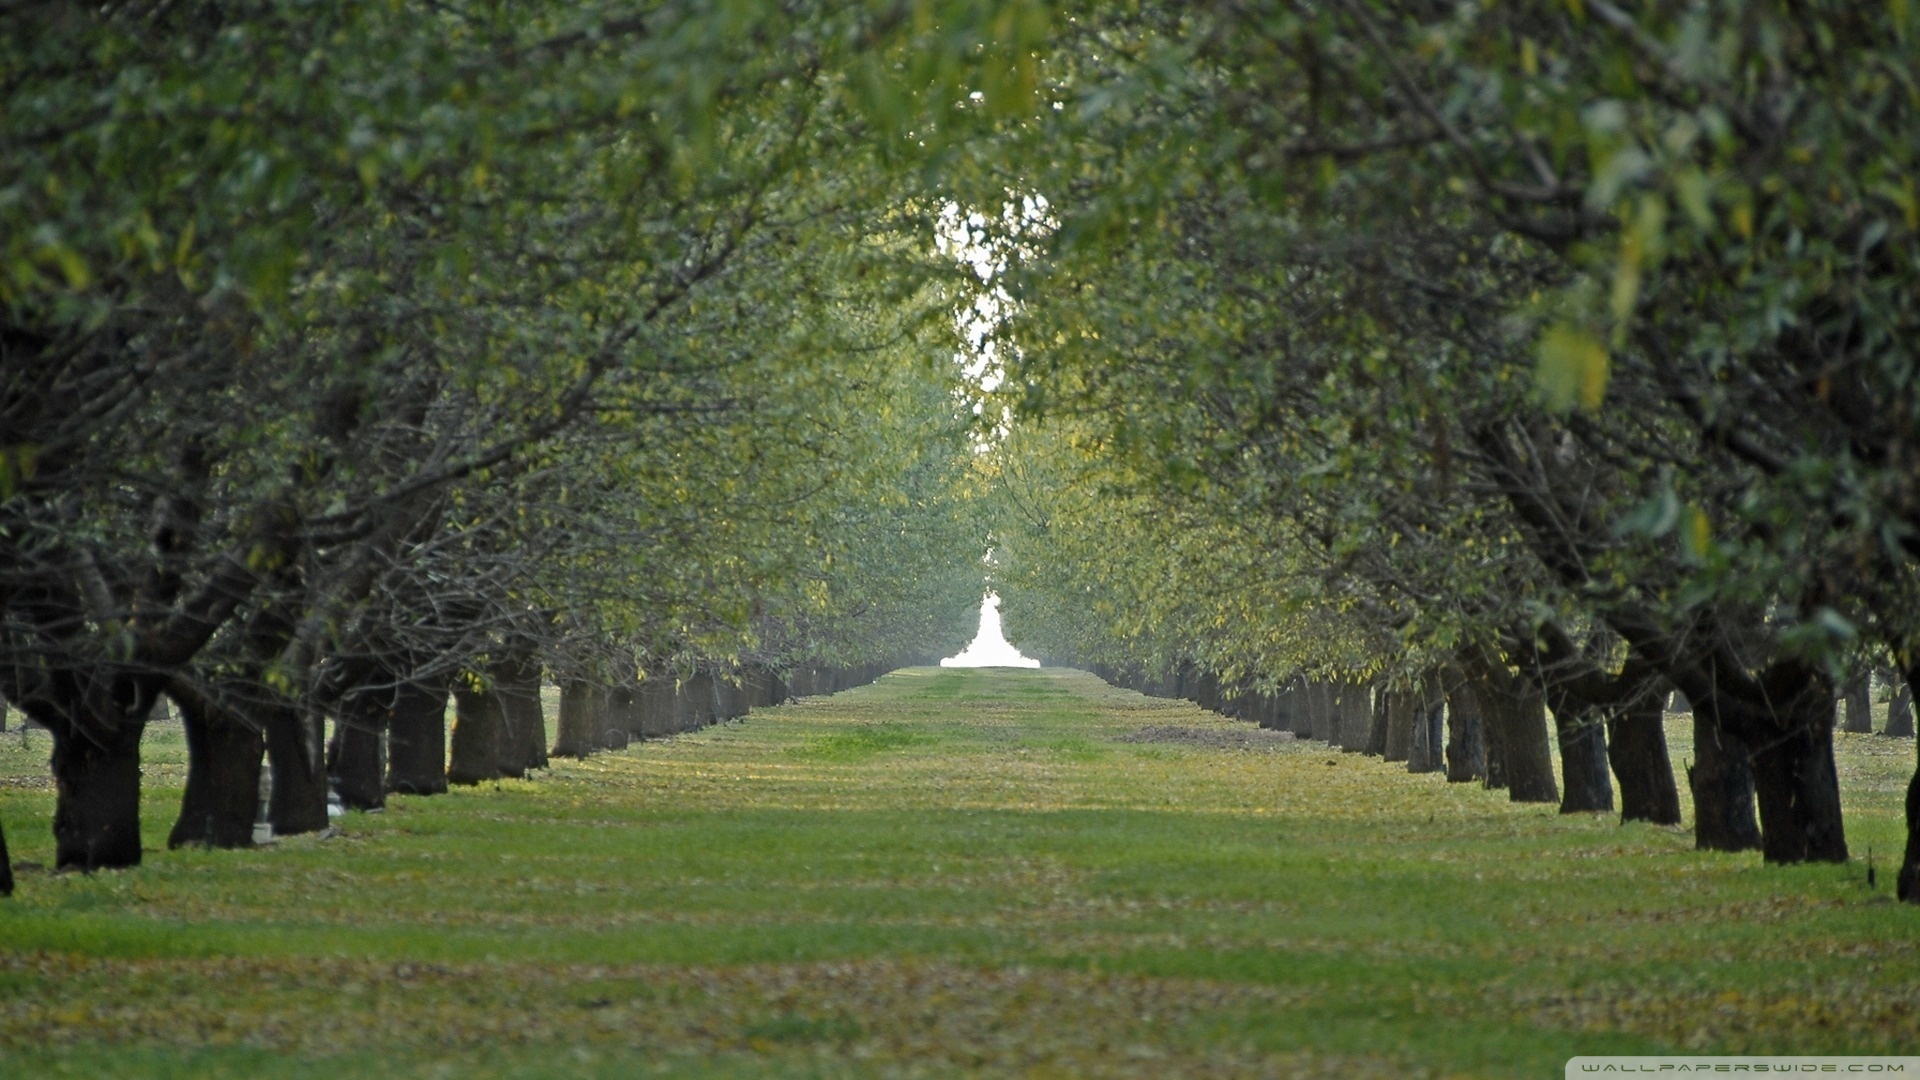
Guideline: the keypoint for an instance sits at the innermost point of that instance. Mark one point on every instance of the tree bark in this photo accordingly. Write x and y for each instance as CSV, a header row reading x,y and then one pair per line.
x,y
479,731
523,738
357,754
1466,746
580,702
1583,763
1354,716
1907,882
1515,717
1424,755
1379,723
96,817
1722,787
1637,749
700,698
1900,712
1326,700
1797,788
1308,699
656,703
298,763
417,739
622,724
1856,700
224,753
1400,709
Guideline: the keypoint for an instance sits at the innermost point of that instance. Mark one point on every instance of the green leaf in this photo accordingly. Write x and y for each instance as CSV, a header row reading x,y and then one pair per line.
x,y
1573,368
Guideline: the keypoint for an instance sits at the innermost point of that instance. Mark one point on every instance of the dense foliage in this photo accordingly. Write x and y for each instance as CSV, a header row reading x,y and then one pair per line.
x,y
1448,345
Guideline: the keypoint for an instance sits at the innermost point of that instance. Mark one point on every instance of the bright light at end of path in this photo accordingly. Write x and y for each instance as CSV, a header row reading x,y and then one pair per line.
x,y
989,648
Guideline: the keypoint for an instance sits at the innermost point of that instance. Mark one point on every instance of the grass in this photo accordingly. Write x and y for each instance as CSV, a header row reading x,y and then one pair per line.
x,y
950,873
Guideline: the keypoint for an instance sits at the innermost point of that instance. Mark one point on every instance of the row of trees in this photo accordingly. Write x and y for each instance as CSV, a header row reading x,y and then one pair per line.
x,y
1550,355
361,353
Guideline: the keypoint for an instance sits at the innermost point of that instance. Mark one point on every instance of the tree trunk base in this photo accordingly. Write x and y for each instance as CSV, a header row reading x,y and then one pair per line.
x,y
1583,766
417,740
222,800
1722,786
96,820
1637,748
299,800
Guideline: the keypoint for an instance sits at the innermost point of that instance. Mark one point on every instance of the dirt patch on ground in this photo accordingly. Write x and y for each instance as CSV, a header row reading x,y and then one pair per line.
x,y
1215,738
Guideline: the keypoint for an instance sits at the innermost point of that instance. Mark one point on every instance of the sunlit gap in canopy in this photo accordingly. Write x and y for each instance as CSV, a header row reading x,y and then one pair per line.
x,y
989,648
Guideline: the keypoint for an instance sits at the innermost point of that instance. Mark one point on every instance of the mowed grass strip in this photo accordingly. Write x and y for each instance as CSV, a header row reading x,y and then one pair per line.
x,y
951,873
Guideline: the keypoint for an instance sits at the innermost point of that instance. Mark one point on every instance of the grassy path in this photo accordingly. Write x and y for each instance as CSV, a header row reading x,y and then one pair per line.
x,y
951,873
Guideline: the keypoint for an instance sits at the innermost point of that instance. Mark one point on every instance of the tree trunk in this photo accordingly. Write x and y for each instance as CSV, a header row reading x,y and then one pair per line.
x,y
1856,701
1515,718
1722,787
1907,883
1400,708
523,738
1583,763
620,720
1637,748
1325,708
479,731
1378,723
1424,755
1466,746
1354,717
1900,712
1307,699
357,754
580,700
701,700
96,817
6,863
417,740
298,763
1797,788
656,704
222,799
1279,717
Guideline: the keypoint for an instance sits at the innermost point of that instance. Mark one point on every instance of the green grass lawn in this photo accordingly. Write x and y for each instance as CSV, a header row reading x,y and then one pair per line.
x,y
950,873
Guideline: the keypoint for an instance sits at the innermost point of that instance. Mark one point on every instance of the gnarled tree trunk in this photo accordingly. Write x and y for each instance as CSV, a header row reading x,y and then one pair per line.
x,y
1637,749
479,732
1309,698
357,754
581,702
1400,709
1797,788
1722,786
417,739
1424,754
1900,712
1583,763
297,759
1466,746
1515,718
224,754
523,735
96,769
1354,717
1856,704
